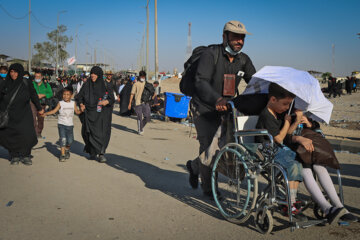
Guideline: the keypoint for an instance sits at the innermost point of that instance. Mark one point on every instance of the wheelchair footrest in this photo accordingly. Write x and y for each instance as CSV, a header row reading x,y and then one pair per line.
x,y
309,223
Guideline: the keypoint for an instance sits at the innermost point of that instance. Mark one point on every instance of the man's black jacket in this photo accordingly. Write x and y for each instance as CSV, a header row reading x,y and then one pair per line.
x,y
209,77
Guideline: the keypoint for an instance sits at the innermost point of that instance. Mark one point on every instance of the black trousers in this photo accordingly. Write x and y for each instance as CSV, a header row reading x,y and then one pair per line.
x,y
206,126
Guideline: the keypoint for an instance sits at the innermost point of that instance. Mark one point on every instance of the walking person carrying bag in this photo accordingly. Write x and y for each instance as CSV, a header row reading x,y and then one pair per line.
x,y
4,115
17,132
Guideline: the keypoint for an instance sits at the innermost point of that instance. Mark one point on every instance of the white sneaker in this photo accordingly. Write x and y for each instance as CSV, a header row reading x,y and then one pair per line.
x,y
141,132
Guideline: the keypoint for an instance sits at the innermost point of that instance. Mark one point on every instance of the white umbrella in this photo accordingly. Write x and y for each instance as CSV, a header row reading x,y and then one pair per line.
x,y
309,96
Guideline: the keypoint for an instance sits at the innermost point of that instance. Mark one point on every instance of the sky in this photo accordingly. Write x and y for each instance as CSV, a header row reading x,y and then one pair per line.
x,y
299,34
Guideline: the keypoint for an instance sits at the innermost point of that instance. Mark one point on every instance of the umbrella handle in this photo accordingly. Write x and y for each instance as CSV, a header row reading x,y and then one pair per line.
x,y
292,103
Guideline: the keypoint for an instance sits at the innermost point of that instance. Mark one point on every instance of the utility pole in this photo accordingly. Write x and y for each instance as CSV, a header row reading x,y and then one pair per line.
x,y
87,59
333,60
29,37
138,59
147,41
156,44
189,47
142,52
88,55
95,56
76,36
96,44
57,44
104,61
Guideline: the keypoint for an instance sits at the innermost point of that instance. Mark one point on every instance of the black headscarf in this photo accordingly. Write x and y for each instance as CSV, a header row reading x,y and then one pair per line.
x,y
95,89
11,84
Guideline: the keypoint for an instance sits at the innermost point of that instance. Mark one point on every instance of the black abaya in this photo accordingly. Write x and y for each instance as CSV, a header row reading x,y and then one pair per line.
x,y
96,126
125,99
108,110
19,136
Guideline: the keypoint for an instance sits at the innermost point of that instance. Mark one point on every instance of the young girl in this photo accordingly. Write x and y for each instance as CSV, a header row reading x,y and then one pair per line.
x,y
320,156
66,109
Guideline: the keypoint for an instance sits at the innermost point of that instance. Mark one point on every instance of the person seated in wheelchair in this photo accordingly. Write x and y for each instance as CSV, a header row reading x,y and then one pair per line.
x,y
275,119
320,156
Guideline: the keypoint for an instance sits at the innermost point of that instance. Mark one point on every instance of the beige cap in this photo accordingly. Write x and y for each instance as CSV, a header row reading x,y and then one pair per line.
x,y
235,27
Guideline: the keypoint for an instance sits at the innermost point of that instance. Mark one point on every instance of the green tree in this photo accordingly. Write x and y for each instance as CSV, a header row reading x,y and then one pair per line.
x,y
46,51
325,75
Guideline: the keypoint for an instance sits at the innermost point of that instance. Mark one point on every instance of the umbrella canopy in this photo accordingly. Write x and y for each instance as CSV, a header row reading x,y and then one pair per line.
x,y
309,97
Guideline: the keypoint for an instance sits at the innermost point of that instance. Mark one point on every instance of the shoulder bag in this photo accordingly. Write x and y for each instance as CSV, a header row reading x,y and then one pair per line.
x,y
4,115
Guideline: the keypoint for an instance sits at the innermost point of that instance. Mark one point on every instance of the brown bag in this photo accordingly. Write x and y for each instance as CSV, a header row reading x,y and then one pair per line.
x,y
323,153
229,85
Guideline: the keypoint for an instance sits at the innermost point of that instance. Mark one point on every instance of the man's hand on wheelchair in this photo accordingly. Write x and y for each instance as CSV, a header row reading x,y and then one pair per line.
x,y
221,105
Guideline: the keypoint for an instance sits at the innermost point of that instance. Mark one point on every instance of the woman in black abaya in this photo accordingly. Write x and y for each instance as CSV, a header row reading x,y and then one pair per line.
x,y
125,99
19,136
96,126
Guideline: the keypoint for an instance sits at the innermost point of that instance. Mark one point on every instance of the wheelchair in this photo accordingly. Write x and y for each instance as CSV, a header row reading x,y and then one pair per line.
x,y
247,182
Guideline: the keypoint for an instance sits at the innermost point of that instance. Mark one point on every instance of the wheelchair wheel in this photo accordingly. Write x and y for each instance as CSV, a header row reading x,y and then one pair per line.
x,y
233,184
264,221
281,188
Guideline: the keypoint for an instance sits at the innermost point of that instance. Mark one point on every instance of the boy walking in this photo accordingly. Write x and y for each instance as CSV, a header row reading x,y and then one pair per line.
x,y
66,109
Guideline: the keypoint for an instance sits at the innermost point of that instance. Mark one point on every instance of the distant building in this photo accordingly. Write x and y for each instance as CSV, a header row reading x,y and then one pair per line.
x,y
3,58
86,67
315,74
356,74
25,63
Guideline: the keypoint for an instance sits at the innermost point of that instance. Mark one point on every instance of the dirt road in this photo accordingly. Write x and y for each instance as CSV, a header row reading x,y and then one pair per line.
x,y
142,192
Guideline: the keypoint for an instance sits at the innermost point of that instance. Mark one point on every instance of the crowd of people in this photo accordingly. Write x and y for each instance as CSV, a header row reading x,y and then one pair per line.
x,y
335,86
91,97
220,69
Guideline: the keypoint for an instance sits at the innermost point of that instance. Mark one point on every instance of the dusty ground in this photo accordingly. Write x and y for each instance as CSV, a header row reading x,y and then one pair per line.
x,y
142,192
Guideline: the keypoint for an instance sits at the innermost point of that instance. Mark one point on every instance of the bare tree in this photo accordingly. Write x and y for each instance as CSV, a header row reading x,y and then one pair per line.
x,y
46,51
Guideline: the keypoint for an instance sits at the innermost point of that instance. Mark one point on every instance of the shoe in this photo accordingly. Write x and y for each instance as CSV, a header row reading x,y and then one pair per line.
x,y
210,195
296,212
141,132
26,161
348,217
193,178
15,161
102,158
334,216
298,205
92,157
62,158
67,154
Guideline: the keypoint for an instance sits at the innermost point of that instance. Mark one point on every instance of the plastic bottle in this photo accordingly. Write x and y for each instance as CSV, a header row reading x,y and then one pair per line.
x,y
299,129
106,95
99,107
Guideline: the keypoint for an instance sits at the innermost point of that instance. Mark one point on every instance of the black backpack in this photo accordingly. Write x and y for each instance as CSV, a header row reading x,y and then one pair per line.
x,y
187,83
147,93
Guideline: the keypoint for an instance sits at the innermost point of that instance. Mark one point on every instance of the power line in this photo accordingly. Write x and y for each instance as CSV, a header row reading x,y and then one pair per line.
x,y
81,42
12,16
38,21
19,18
